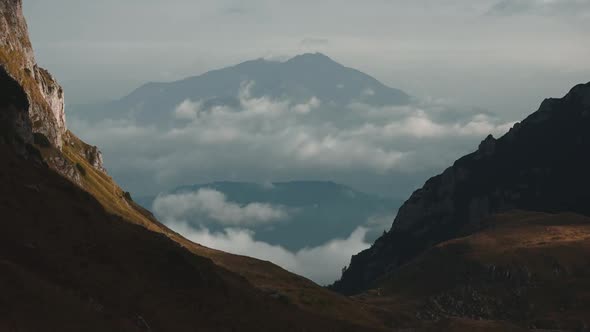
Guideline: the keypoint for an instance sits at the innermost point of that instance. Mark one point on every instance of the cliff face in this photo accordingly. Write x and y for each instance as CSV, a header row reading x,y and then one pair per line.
x,y
540,165
43,99
46,99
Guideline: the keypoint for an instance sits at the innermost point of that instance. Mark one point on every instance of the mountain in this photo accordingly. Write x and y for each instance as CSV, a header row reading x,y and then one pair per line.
x,y
77,253
297,80
540,165
331,210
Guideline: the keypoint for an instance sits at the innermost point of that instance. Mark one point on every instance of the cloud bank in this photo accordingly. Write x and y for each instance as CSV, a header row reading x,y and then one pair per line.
x,y
212,204
321,264
207,217
265,139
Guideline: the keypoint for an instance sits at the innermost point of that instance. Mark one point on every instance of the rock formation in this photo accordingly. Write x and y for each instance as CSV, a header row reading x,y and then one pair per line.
x,y
46,98
46,124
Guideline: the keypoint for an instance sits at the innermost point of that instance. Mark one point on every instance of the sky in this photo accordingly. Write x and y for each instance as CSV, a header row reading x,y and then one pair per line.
x,y
474,66
501,55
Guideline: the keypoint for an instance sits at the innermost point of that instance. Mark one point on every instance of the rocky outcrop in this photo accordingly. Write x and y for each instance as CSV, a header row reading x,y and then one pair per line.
x,y
33,101
46,98
542,164
90,153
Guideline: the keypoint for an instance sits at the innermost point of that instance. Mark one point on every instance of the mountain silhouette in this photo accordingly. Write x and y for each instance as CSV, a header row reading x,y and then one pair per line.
x,y
297,80
539,165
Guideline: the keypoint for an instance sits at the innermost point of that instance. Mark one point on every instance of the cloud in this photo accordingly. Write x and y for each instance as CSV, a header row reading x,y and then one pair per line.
x,y
187,110
541,7
212,204
322,264
265,138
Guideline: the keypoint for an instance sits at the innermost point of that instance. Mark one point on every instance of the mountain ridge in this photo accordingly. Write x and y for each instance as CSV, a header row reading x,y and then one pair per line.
x,y
536,166
298,80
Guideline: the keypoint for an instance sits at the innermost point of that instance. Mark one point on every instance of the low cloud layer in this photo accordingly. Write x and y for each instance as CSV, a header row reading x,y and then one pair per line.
x,y
321,264
267,139
213,205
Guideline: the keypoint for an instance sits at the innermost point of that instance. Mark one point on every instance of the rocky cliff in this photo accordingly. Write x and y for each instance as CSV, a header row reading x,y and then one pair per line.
x,y
40,96
542,164
46,98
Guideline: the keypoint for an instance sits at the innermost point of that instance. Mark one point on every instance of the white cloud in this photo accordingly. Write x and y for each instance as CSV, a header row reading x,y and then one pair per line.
x,y
322,264
272,139
313,103
368,93
188,110
212,204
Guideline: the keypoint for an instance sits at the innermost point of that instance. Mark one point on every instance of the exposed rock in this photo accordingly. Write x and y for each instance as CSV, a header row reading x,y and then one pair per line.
x,y
64,167
46,99
540,165
34,110
94,157
91,153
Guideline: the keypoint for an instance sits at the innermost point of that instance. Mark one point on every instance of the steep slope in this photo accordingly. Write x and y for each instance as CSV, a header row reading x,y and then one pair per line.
x,y
528,268
88,241
298,80
540,165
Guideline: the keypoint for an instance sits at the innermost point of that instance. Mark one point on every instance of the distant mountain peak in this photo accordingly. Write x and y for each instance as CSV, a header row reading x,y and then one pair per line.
x,y
312,58
305,76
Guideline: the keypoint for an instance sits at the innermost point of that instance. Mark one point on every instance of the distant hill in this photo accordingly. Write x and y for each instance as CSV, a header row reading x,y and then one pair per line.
x,y
297,80
319,211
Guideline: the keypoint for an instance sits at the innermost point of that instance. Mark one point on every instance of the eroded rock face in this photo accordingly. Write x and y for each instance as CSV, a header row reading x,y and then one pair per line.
x,y
32,102
46,98
94,156
542,164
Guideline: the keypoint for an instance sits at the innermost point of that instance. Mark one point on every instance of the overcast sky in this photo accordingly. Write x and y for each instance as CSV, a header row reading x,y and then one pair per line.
x,y
504,56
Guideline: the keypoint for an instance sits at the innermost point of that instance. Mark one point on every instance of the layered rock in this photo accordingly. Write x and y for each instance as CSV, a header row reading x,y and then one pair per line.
x,y
46,98
542,164
37,97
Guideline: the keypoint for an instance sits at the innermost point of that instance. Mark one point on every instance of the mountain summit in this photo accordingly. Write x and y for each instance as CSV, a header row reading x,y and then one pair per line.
x,y
296,80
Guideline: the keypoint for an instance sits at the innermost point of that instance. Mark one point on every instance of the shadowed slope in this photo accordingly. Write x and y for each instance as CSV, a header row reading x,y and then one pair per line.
x,y
67,264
